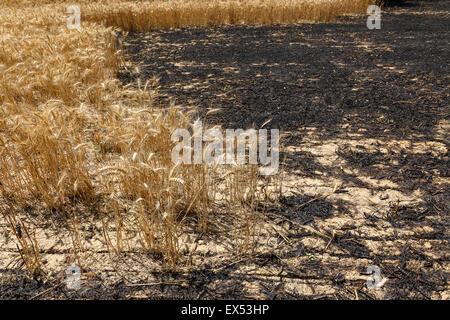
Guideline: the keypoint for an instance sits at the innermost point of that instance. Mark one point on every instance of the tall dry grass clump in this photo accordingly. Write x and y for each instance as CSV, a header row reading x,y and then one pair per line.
x,y
71,134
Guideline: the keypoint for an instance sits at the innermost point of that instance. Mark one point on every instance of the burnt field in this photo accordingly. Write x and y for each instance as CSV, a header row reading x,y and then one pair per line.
x,y
365,110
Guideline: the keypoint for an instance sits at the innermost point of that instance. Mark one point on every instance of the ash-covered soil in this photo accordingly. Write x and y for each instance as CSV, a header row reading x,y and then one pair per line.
x,y
364,117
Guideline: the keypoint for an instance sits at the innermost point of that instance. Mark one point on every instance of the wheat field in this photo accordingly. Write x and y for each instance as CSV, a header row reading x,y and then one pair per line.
x,y
74,141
